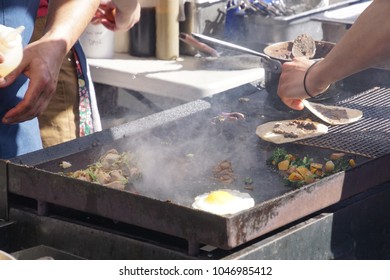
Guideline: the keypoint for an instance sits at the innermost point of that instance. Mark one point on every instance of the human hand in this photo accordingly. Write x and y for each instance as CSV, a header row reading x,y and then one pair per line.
x,y
292,89
117,17
41,64
1,58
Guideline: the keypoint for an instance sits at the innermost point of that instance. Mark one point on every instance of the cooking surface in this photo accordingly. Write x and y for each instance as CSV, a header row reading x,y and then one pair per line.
x,y
177,157
370,136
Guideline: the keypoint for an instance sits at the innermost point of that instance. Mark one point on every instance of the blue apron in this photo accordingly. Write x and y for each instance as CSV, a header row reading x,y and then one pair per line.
x,y
20,138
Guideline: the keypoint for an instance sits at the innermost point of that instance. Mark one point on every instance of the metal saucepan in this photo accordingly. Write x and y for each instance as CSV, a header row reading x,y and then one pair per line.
x,y
282,51
272,59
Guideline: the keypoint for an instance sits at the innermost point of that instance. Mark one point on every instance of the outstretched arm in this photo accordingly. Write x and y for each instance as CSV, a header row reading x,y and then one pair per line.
x,y
366,44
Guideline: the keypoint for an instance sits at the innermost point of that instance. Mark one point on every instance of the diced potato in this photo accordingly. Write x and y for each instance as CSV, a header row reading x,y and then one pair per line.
x,y
295,176
303,171
335,156
283,165
306,174
329,166
316,165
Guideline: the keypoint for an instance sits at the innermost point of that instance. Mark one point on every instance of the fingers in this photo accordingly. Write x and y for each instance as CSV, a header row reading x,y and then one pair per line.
x,y
290,89
30,107
22,112
104,13
295,104
108,24
9,79
116,19
37,97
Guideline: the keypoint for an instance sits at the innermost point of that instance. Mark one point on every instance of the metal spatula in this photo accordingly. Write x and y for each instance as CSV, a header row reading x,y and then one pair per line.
x,y
334,115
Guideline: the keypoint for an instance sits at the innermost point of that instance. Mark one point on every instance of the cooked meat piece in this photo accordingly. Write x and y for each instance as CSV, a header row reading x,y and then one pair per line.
x,y
308,125
295,128
223,172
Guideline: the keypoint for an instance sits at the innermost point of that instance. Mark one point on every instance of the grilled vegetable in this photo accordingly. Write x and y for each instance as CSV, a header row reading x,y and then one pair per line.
x,y
295,177
335,156
278,155
299,171
284,165
112,170
329,166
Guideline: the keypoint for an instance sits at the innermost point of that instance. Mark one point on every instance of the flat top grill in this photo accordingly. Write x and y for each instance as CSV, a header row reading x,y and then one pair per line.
x,y
370,136
164,202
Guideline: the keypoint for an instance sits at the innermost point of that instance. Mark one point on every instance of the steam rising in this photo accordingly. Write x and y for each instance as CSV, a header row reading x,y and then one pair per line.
x,y
177,163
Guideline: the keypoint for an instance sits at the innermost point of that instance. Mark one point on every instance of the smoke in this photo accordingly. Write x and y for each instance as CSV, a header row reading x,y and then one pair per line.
x,y
177,160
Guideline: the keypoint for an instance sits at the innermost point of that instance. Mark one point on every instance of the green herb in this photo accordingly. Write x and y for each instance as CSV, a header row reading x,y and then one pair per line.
x,y
309,176
293,184
278,155
248,181
305,161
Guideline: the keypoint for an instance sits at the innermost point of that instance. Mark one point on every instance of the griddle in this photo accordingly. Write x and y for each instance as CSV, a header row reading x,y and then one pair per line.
x,y
177,150
369,137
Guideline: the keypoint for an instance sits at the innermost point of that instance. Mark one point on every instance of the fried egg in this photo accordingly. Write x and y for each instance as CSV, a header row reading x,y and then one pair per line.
x,y
223,202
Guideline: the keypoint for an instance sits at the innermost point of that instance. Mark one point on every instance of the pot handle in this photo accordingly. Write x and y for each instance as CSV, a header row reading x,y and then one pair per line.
x,y
270,64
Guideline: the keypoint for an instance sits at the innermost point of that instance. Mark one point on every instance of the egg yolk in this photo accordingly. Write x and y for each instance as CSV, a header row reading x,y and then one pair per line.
x,y
219,197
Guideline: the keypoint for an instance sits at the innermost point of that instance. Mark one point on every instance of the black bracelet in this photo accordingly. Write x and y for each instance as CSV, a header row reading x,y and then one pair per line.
x,y
304,78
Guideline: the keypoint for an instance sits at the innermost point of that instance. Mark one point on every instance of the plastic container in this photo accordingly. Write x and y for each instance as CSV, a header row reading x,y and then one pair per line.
x,y
11,48
97,41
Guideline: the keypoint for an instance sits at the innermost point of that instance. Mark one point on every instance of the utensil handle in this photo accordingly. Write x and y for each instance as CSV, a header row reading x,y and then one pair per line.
x,y
197,44
227,45
270,64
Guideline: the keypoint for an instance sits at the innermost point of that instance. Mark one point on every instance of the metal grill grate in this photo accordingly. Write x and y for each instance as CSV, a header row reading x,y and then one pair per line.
x,y
370,136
